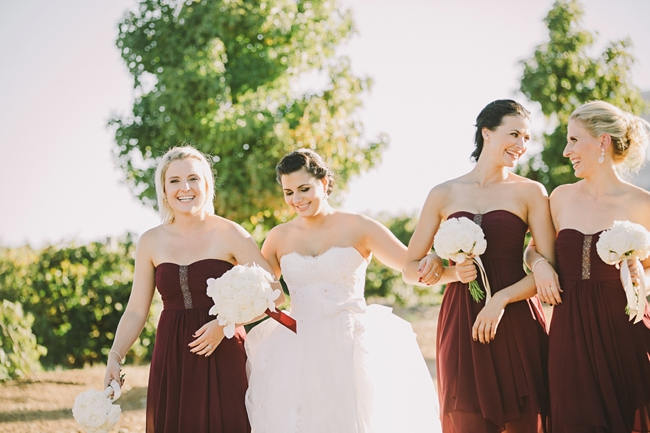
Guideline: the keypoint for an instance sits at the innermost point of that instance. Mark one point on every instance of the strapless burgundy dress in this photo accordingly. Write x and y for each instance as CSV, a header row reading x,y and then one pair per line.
x,y
188,392
488,387
599,365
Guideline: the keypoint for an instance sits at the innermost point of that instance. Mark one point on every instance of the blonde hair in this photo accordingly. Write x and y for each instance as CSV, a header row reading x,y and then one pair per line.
x,y
175,154
629,133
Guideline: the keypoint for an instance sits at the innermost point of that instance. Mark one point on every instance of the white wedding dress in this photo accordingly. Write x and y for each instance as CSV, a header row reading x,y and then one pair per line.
x,y
351,368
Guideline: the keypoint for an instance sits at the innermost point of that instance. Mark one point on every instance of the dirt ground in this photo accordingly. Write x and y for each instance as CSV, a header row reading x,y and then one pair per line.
x,y
44,403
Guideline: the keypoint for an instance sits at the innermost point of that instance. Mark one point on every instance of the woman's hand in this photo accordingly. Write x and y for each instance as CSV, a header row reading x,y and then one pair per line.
x,y
466,271
487,321
207,339
113,370
430,269
546,282
636,271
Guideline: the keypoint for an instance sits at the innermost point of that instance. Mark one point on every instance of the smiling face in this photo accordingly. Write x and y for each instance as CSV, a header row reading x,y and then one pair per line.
x,y
507,143
303,192
185,187
582,149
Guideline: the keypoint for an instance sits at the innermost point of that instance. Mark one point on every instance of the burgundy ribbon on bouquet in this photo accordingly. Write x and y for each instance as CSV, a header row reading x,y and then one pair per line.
x,y
282,318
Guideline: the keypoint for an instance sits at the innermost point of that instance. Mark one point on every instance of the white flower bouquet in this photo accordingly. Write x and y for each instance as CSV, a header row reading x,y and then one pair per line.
x,y
240,295
459,239
94,410
627,241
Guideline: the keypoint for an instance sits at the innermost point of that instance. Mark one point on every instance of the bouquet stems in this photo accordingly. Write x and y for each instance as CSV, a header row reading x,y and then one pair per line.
x,y
475,291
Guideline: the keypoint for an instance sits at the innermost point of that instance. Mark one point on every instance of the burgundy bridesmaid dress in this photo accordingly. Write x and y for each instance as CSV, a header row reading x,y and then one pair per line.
x,y
599,365
188,392
488,387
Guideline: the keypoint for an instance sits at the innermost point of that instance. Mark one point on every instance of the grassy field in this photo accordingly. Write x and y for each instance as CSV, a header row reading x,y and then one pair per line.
x,y
44,403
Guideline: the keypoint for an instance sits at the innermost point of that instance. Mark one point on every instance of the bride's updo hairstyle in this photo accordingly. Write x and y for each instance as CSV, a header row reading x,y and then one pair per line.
x,y
491,118
310,161
629,133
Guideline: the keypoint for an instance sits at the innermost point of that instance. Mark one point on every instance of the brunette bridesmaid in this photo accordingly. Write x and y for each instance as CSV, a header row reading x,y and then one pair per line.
x,y
491,357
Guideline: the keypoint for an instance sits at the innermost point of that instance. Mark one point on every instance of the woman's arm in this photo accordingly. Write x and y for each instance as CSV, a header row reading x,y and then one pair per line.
x,y
539,220
244,248
246,252
643,215
541,254
137,309
485,326
546,279
382,243
270,251
428,272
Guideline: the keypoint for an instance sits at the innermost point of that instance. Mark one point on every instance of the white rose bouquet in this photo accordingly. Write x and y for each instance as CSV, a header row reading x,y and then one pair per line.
x,y
624,241
459,239
241,294
94,410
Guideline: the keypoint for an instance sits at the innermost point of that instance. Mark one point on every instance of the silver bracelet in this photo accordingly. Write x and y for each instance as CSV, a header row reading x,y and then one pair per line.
x,y
115,353
539,259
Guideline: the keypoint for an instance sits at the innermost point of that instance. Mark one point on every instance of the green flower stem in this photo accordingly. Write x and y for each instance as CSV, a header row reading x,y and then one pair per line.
x,y
475,290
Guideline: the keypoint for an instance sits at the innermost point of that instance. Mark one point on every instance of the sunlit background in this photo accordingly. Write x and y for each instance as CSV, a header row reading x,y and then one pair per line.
x,y
66,262
435,64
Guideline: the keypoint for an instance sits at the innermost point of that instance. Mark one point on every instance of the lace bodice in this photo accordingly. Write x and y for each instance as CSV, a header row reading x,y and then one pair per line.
x,y
328,283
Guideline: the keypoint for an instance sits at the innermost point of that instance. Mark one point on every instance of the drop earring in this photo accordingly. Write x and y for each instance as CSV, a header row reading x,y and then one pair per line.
x,y
601,158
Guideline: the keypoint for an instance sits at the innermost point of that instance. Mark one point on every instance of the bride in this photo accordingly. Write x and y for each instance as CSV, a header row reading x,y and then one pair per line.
x,y
351,368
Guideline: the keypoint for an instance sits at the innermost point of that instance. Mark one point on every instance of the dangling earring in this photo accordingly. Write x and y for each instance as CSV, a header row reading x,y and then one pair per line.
x,y
601,158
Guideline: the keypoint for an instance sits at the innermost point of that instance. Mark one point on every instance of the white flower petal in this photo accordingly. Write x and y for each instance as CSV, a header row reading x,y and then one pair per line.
x,y
229,331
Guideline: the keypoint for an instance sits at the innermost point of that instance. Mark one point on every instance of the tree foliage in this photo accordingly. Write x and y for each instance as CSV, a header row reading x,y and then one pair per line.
x,y
388,284
76,295
245,82
562,74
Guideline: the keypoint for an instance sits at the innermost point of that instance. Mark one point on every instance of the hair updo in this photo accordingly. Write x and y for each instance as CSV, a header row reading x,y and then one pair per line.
x,y
310,161
629,133
491,118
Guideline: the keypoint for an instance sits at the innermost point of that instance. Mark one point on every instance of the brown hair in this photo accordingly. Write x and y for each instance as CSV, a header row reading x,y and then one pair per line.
x,y
310,161
491,117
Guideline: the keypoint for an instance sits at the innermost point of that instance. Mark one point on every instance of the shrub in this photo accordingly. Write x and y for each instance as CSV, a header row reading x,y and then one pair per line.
x,y
77,295
387,283
19,351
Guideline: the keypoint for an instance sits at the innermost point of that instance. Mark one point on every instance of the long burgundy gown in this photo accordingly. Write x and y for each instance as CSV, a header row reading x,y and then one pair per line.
x,y
188,392
486,387
599,365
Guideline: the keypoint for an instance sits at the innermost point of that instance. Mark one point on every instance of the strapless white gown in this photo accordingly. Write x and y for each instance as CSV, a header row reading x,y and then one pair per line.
x,y
351,368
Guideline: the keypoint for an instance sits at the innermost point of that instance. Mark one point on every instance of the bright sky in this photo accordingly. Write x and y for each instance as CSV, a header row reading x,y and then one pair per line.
x,y
434,63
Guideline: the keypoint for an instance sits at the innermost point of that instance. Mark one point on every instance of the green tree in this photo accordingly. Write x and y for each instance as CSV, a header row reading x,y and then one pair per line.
x,y
229,77
562,74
